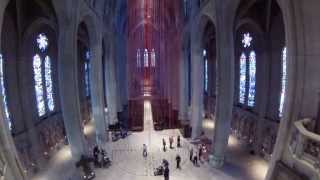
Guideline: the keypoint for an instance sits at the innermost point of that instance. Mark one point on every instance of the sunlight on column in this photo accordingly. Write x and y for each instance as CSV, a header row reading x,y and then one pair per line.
x,y
259,169
233,142
88,129
63,155
208,124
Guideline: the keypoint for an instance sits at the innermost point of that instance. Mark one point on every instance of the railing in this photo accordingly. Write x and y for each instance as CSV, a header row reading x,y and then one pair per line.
x,y
305,144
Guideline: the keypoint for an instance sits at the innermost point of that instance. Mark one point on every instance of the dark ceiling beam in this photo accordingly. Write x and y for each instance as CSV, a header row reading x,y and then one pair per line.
x,y
246,7
268,15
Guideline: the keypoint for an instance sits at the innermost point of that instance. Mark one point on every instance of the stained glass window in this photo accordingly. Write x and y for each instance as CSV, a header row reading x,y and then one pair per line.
x,y
38,85
42,42
252,79
87,73
4,94
146,61
138,58
243,78
205,71
153,58
49,86
43,82
246,41
283,80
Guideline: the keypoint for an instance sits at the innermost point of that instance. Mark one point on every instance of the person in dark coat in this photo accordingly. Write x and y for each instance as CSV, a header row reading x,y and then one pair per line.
x,y
96,152
166,173
195,160
178,142
178,159
164,144
200,152
171,142
144,150
191,154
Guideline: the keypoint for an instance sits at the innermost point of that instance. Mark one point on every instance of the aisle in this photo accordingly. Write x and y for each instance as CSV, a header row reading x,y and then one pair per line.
x,y
128,163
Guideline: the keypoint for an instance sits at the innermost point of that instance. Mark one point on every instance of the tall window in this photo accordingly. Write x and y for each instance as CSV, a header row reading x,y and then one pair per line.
x,y
4,94
283,80
153,58
185,7
145,56
43,85
205,70
252,79
87,72
243,78
247,68
48,78
138,58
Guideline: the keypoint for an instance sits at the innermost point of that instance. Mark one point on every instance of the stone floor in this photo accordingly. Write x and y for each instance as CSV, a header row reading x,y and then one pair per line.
x,y
129,164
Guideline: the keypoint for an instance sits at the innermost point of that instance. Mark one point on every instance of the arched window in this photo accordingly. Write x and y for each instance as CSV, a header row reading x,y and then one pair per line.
x,y
44,95
252,79
153,58
146,61
243,78
4,94
138,58
283,80
87,72
205,70
49,86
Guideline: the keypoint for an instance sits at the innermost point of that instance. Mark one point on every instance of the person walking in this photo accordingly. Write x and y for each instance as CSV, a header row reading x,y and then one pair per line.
x,y
171,142
166,173
191,154
200,152
178,142
178,159
195,160
144,151
164,144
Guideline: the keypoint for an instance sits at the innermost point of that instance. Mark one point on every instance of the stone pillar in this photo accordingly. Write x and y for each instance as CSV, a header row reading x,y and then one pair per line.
x,y
8,156
263,99
225,84
197,87
69,92
29,108
111,85
97,94
183,109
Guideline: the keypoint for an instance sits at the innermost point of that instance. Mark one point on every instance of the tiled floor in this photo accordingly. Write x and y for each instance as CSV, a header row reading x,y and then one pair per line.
x,y
129,164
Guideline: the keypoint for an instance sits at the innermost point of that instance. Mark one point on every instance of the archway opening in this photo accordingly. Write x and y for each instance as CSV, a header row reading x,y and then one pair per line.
x,y
260,79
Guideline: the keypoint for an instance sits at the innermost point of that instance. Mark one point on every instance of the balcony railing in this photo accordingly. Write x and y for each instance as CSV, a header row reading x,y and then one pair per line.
x,y
305,144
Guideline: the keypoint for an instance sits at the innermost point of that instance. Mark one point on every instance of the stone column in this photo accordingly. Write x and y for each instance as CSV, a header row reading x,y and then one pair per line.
x,y
111,85
225,84
183,109
69,90
97,94
8,155
29,108
197,87
263,99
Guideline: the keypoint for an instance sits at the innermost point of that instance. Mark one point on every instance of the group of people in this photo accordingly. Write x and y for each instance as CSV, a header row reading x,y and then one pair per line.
x,y
171,143
195,156
100,157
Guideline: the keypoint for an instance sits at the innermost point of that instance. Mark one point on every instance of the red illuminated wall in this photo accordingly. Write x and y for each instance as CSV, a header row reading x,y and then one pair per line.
x,y
155,24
